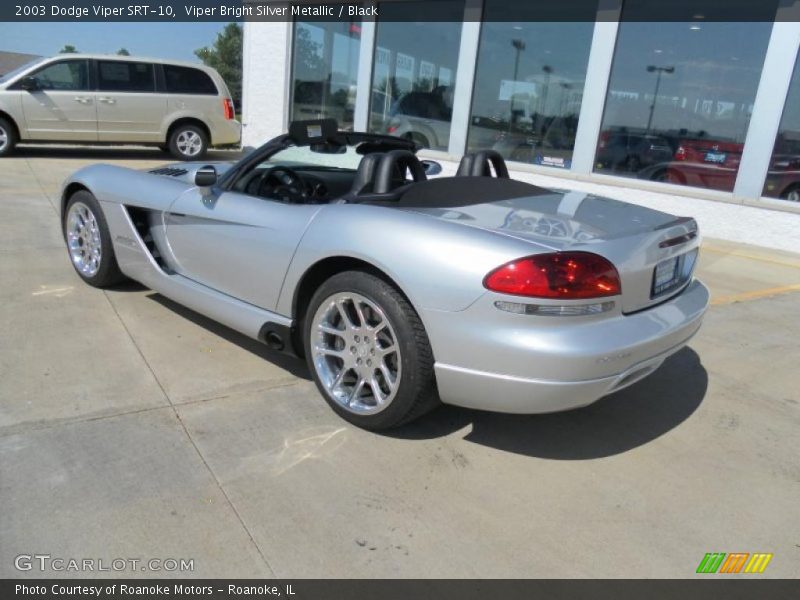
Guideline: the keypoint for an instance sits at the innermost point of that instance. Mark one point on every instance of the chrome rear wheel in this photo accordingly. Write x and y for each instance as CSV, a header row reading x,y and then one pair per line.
x,y
355,353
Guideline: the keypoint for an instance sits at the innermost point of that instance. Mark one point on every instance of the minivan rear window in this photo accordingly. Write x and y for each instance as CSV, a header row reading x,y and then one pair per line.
x,y
185,80
120,76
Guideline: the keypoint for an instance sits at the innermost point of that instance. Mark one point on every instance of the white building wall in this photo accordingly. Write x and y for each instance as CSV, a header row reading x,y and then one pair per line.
x,y
266,71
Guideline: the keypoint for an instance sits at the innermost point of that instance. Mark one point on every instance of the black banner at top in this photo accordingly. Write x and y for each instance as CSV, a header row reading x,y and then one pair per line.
x,y
398,10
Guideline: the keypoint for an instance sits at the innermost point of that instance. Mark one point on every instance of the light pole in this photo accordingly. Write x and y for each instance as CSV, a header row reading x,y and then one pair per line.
x,y
658,71
547,70
565,87
519,46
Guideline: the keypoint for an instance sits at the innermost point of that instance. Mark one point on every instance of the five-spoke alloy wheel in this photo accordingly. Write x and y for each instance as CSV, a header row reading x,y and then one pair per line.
x,y
188,142
8,137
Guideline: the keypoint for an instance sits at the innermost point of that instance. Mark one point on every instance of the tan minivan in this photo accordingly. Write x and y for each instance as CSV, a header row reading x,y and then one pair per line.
x,y
184,108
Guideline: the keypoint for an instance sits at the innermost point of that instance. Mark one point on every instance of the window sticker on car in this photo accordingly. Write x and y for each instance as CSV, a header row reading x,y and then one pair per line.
x,y
716,157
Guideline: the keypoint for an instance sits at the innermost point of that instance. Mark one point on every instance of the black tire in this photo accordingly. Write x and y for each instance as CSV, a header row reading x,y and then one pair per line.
x,y
108,272
416,392
8,137
792,193
175,146
418,138
633,164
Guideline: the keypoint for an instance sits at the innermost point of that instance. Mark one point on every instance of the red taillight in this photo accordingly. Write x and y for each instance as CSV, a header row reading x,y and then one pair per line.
x,y
391,128
563,275
227,106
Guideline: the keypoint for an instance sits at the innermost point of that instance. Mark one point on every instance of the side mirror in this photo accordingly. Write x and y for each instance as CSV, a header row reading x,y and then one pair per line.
x,y
205,176
29,84
431,167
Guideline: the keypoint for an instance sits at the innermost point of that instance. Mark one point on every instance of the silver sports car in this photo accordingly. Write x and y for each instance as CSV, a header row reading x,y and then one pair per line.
x,y
401,291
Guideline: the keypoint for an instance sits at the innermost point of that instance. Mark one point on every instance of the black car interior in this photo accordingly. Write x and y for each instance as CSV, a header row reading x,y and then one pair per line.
x,y
389,173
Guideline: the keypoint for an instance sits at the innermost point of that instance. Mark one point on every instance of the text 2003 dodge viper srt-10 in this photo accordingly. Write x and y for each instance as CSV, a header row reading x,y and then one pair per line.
x,y
401,291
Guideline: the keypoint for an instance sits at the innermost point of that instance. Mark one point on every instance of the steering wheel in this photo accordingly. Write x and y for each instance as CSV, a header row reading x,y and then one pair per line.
x,y
282,183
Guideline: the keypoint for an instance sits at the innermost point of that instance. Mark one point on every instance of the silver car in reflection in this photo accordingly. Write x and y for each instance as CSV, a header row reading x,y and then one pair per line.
x,y
400,291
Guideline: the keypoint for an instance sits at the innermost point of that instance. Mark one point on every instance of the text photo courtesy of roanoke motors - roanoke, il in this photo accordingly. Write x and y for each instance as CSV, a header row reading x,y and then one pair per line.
x,y
399,299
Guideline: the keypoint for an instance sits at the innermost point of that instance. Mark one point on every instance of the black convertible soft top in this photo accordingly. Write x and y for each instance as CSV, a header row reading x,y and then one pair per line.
x,y
450,192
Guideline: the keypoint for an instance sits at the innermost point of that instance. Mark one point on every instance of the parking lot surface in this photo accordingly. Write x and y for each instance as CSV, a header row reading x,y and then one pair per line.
x,y
131,427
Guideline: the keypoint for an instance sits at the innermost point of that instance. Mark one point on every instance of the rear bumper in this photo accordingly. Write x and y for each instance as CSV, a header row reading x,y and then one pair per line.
x,y
562,365
226,133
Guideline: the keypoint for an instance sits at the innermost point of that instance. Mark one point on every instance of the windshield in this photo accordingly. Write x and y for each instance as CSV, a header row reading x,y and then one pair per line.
x,y
12,74
345,157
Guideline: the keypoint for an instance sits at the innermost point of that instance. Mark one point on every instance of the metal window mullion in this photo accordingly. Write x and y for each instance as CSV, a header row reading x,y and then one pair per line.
x,y
595,88
465,77
366,58
773,88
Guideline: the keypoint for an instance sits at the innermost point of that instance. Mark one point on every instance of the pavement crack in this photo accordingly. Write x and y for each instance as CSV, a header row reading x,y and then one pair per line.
x,y
191,439
42,187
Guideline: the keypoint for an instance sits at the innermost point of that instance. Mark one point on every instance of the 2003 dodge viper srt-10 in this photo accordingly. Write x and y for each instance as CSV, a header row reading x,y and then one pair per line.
x,y
401,291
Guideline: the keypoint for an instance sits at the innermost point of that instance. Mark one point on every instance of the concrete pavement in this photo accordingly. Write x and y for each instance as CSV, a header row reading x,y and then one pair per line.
x,y
131,427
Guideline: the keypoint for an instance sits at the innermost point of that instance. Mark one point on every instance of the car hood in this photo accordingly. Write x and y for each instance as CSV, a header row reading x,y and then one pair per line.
x,y
559,219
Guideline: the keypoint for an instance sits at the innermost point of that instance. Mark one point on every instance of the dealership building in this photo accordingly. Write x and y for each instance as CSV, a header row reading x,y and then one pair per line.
x,y
697,98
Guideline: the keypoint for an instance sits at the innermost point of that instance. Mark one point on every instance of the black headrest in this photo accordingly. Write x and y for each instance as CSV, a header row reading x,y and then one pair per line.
x,y
365,176
392,170
477,164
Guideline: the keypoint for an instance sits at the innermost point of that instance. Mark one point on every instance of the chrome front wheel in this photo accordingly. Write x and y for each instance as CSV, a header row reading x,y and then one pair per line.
x,y
89,241
83,239
355,353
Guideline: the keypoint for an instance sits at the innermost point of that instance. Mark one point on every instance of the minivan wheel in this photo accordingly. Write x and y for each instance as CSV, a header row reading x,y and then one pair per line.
x,y
368,352
8,137
188,142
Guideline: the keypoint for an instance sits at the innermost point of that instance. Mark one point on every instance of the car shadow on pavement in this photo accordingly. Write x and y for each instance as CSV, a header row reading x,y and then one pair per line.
x,y
615,424
100,153
293,365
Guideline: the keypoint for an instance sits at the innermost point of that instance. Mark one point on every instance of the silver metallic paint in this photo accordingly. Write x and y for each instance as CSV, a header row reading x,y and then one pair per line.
x,y
240,259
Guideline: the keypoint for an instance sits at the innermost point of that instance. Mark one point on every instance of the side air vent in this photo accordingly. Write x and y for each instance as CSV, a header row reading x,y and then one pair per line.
x,y
169,171
141,221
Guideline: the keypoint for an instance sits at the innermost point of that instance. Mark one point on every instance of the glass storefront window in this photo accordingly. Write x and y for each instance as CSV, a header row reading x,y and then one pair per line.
x,y
529,83
783,179
414,71
680,97
324,71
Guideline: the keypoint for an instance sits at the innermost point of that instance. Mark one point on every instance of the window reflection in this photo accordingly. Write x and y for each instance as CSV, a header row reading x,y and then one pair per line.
x,y
783,179
679,100
414,71
325,68
529,83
